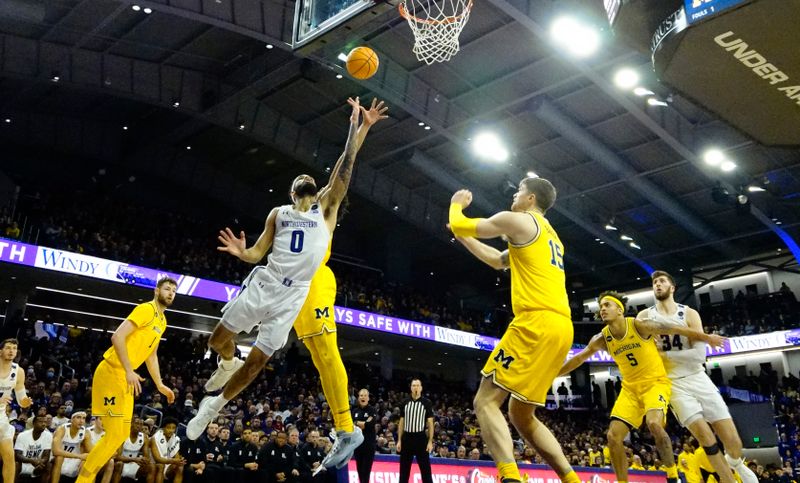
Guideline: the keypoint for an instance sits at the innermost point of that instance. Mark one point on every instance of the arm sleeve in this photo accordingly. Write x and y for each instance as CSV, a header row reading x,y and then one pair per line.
x,y
142,314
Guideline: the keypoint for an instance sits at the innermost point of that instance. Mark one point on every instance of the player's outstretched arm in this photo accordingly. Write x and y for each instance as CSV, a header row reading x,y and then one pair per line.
x,y
648,327
238,246
515,226
155,372
597,343
489,255
19,390
370,117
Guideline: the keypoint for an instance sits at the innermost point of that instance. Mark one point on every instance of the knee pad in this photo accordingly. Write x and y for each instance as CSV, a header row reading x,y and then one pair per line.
x,y
711,450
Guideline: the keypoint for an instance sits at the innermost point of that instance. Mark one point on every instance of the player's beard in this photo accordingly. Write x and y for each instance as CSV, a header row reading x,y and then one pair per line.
x,y
305,189
662,296
164,301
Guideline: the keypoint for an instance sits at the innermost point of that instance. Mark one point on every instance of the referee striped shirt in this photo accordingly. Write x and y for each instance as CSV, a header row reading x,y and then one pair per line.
x,y
415,413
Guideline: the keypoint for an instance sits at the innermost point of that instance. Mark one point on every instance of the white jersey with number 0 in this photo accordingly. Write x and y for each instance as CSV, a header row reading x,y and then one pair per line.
x,y
300,243
681,358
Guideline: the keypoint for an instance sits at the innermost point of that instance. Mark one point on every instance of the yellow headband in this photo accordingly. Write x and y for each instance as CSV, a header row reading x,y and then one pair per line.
x,y
615,300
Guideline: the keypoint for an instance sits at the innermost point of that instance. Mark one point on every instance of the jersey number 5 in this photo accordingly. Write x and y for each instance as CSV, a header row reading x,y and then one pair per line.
x,y
296,243
556,257
632,359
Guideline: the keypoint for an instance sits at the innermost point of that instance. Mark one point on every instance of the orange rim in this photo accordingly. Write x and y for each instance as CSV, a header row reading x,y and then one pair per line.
x,y
447,20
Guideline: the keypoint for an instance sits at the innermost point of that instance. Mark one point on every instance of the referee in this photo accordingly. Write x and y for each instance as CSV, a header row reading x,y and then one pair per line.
x,y
415,434
364,416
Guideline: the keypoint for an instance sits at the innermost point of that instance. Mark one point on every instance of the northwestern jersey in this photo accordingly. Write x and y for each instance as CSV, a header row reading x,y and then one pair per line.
x,y
94,436
537,272
167,448
69,443
7,384
300,243
681,357
636,357
132,449
150,326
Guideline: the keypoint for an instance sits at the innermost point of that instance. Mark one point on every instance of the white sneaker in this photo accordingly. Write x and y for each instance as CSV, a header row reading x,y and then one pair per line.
x,y
221,376
199,423
344,444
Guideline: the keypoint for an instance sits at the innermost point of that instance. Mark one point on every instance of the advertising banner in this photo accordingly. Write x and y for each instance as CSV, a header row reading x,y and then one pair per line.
x,y
385,469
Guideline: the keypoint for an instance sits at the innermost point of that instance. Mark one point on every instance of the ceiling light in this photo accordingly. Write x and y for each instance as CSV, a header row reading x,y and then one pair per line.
x,y
431,273
427,128
779,222
396,208
420,123
713,157
602,242
241,127
626,78
634,245
56,78
8,120
610,227
124,128
269,46
339,76
727,166
755,189
597,239
147,10
271,190
136,8
641,91
531,174
656,102
176,103
625,238
188,148
579,39
488,145
342,56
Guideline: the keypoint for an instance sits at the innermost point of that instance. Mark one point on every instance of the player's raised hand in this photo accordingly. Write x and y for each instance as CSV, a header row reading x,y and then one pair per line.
x,y
375,113
134,380
26,402
231,244
462,197
356,104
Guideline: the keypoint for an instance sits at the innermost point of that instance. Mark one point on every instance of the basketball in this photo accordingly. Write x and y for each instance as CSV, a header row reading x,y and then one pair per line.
x,y
362,63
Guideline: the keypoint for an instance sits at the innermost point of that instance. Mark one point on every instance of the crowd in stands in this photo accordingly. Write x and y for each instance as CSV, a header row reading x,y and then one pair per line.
x,y
286,401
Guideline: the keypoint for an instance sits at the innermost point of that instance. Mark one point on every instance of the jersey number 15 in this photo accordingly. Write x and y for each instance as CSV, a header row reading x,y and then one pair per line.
x,y
556,257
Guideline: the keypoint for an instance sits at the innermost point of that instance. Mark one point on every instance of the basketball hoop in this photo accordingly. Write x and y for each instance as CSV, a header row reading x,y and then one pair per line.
x,y
436,25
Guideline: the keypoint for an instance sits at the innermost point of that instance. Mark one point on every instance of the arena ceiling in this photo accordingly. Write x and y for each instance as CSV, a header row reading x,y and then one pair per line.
x,y
198,73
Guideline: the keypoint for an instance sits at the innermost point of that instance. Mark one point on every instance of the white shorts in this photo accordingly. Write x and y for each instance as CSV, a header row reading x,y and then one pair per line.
x,y
71,467
27,470
695,397
129,470
6,429
267,300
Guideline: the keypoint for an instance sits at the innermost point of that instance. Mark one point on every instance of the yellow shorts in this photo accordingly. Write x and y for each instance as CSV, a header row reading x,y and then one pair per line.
x,y
316,315
636,399
111,395
530,354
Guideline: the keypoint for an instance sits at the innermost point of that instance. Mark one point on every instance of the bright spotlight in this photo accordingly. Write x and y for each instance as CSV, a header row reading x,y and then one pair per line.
x,y
136,8
579,39
626,78
610,227
625,238
755,189
488,145
531,174
641,92
342,56
727,166
713,157
656,102
634,245
147,10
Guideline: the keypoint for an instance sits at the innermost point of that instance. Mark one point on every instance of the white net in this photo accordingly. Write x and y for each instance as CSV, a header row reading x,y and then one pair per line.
x,y
436,25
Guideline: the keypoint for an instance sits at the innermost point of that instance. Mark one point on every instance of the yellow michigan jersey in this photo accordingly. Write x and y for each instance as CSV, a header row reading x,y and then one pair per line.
x,y
645,385
637,357
150,327
537,272
535,344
